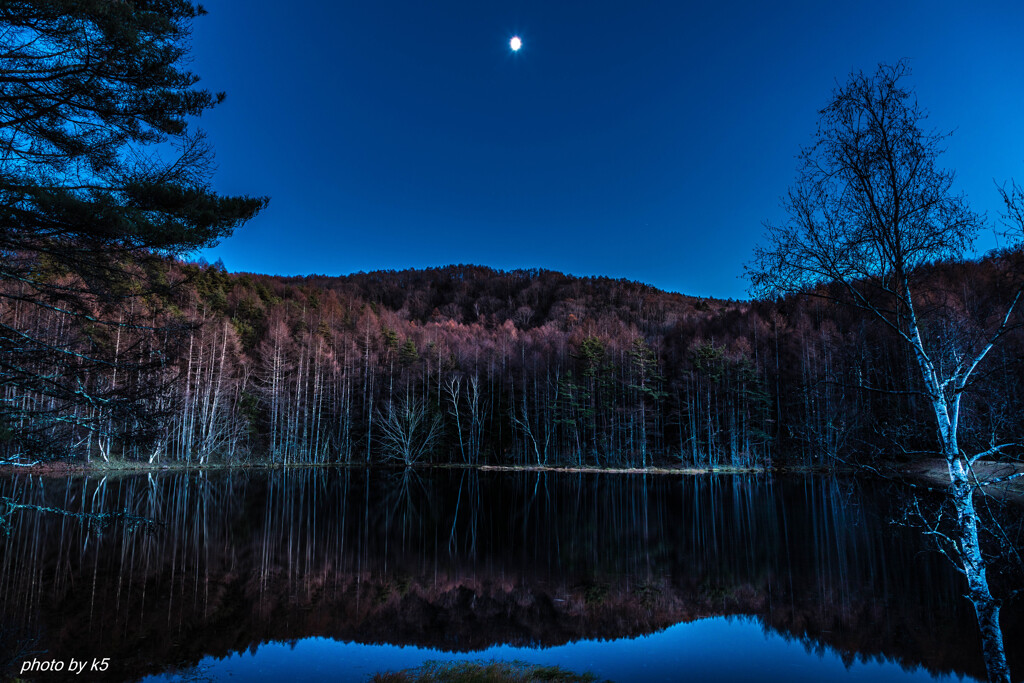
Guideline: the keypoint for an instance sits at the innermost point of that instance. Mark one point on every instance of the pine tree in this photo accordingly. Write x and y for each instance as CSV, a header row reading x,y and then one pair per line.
x,y
93,99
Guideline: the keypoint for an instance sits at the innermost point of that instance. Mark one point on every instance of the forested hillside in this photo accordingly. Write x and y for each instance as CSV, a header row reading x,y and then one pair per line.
x,y
466,364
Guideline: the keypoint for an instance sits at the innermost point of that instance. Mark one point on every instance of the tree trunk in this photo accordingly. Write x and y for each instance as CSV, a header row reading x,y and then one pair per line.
x,y
986,607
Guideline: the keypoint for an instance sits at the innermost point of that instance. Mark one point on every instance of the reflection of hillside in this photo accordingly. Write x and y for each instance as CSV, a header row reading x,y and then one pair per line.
x,y
463,561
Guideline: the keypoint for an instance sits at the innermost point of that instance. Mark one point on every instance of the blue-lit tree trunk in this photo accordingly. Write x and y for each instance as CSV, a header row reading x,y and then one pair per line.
x,y
869,213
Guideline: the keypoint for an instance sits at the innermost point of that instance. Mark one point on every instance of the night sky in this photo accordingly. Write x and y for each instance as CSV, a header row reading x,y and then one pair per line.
x,y
643,140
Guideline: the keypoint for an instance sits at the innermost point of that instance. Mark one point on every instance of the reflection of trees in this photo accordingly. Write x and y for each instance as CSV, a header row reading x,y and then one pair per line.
x,y
405,504
467,507
462,559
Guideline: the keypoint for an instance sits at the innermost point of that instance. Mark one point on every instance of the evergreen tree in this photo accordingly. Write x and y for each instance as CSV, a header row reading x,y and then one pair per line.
x,y
101,178
408,354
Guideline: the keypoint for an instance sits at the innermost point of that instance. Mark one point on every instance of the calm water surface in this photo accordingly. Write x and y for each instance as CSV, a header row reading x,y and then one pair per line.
x,y
331,575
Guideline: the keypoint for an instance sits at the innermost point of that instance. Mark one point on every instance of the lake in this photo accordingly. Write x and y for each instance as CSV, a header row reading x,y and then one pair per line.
x,y
333,574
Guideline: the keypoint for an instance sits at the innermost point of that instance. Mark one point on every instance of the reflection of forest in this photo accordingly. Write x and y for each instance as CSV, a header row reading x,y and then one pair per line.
x,y
460,560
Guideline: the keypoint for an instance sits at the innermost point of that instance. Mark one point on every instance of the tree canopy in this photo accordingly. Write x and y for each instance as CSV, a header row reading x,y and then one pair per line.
x,y
870,205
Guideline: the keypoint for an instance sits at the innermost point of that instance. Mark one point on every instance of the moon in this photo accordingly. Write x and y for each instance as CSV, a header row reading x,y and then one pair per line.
x,y
515,43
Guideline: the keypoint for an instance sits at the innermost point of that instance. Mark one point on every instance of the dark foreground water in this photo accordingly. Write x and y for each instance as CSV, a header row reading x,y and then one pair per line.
x,y
331,575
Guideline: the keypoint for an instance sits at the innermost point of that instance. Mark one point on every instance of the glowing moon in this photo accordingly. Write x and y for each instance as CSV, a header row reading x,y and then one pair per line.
x,y
515,43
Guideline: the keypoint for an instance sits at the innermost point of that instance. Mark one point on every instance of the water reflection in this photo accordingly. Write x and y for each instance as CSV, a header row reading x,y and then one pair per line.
x,y
462,560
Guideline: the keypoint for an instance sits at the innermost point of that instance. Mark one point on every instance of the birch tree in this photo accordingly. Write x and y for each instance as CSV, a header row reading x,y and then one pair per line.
x,y
871,209
409,430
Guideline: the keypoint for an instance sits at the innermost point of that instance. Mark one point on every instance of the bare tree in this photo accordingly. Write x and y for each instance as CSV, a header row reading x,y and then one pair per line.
x,y
452,388
869,212
408,430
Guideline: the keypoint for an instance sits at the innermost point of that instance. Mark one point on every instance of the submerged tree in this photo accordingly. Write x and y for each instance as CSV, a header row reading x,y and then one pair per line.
x,y
101,175
870,211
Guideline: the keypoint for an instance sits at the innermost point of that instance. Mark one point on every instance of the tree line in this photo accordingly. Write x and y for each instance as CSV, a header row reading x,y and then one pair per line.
x,y
465,364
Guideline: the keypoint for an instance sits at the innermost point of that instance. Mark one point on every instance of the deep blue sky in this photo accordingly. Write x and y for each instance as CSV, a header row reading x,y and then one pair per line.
x,y
645,140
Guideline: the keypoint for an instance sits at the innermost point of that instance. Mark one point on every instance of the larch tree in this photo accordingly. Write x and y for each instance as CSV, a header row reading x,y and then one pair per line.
x,y
870,211
102,175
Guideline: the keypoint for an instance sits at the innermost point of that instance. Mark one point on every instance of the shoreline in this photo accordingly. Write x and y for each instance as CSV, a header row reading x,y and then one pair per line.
x,y
60,468
929,473
932,473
